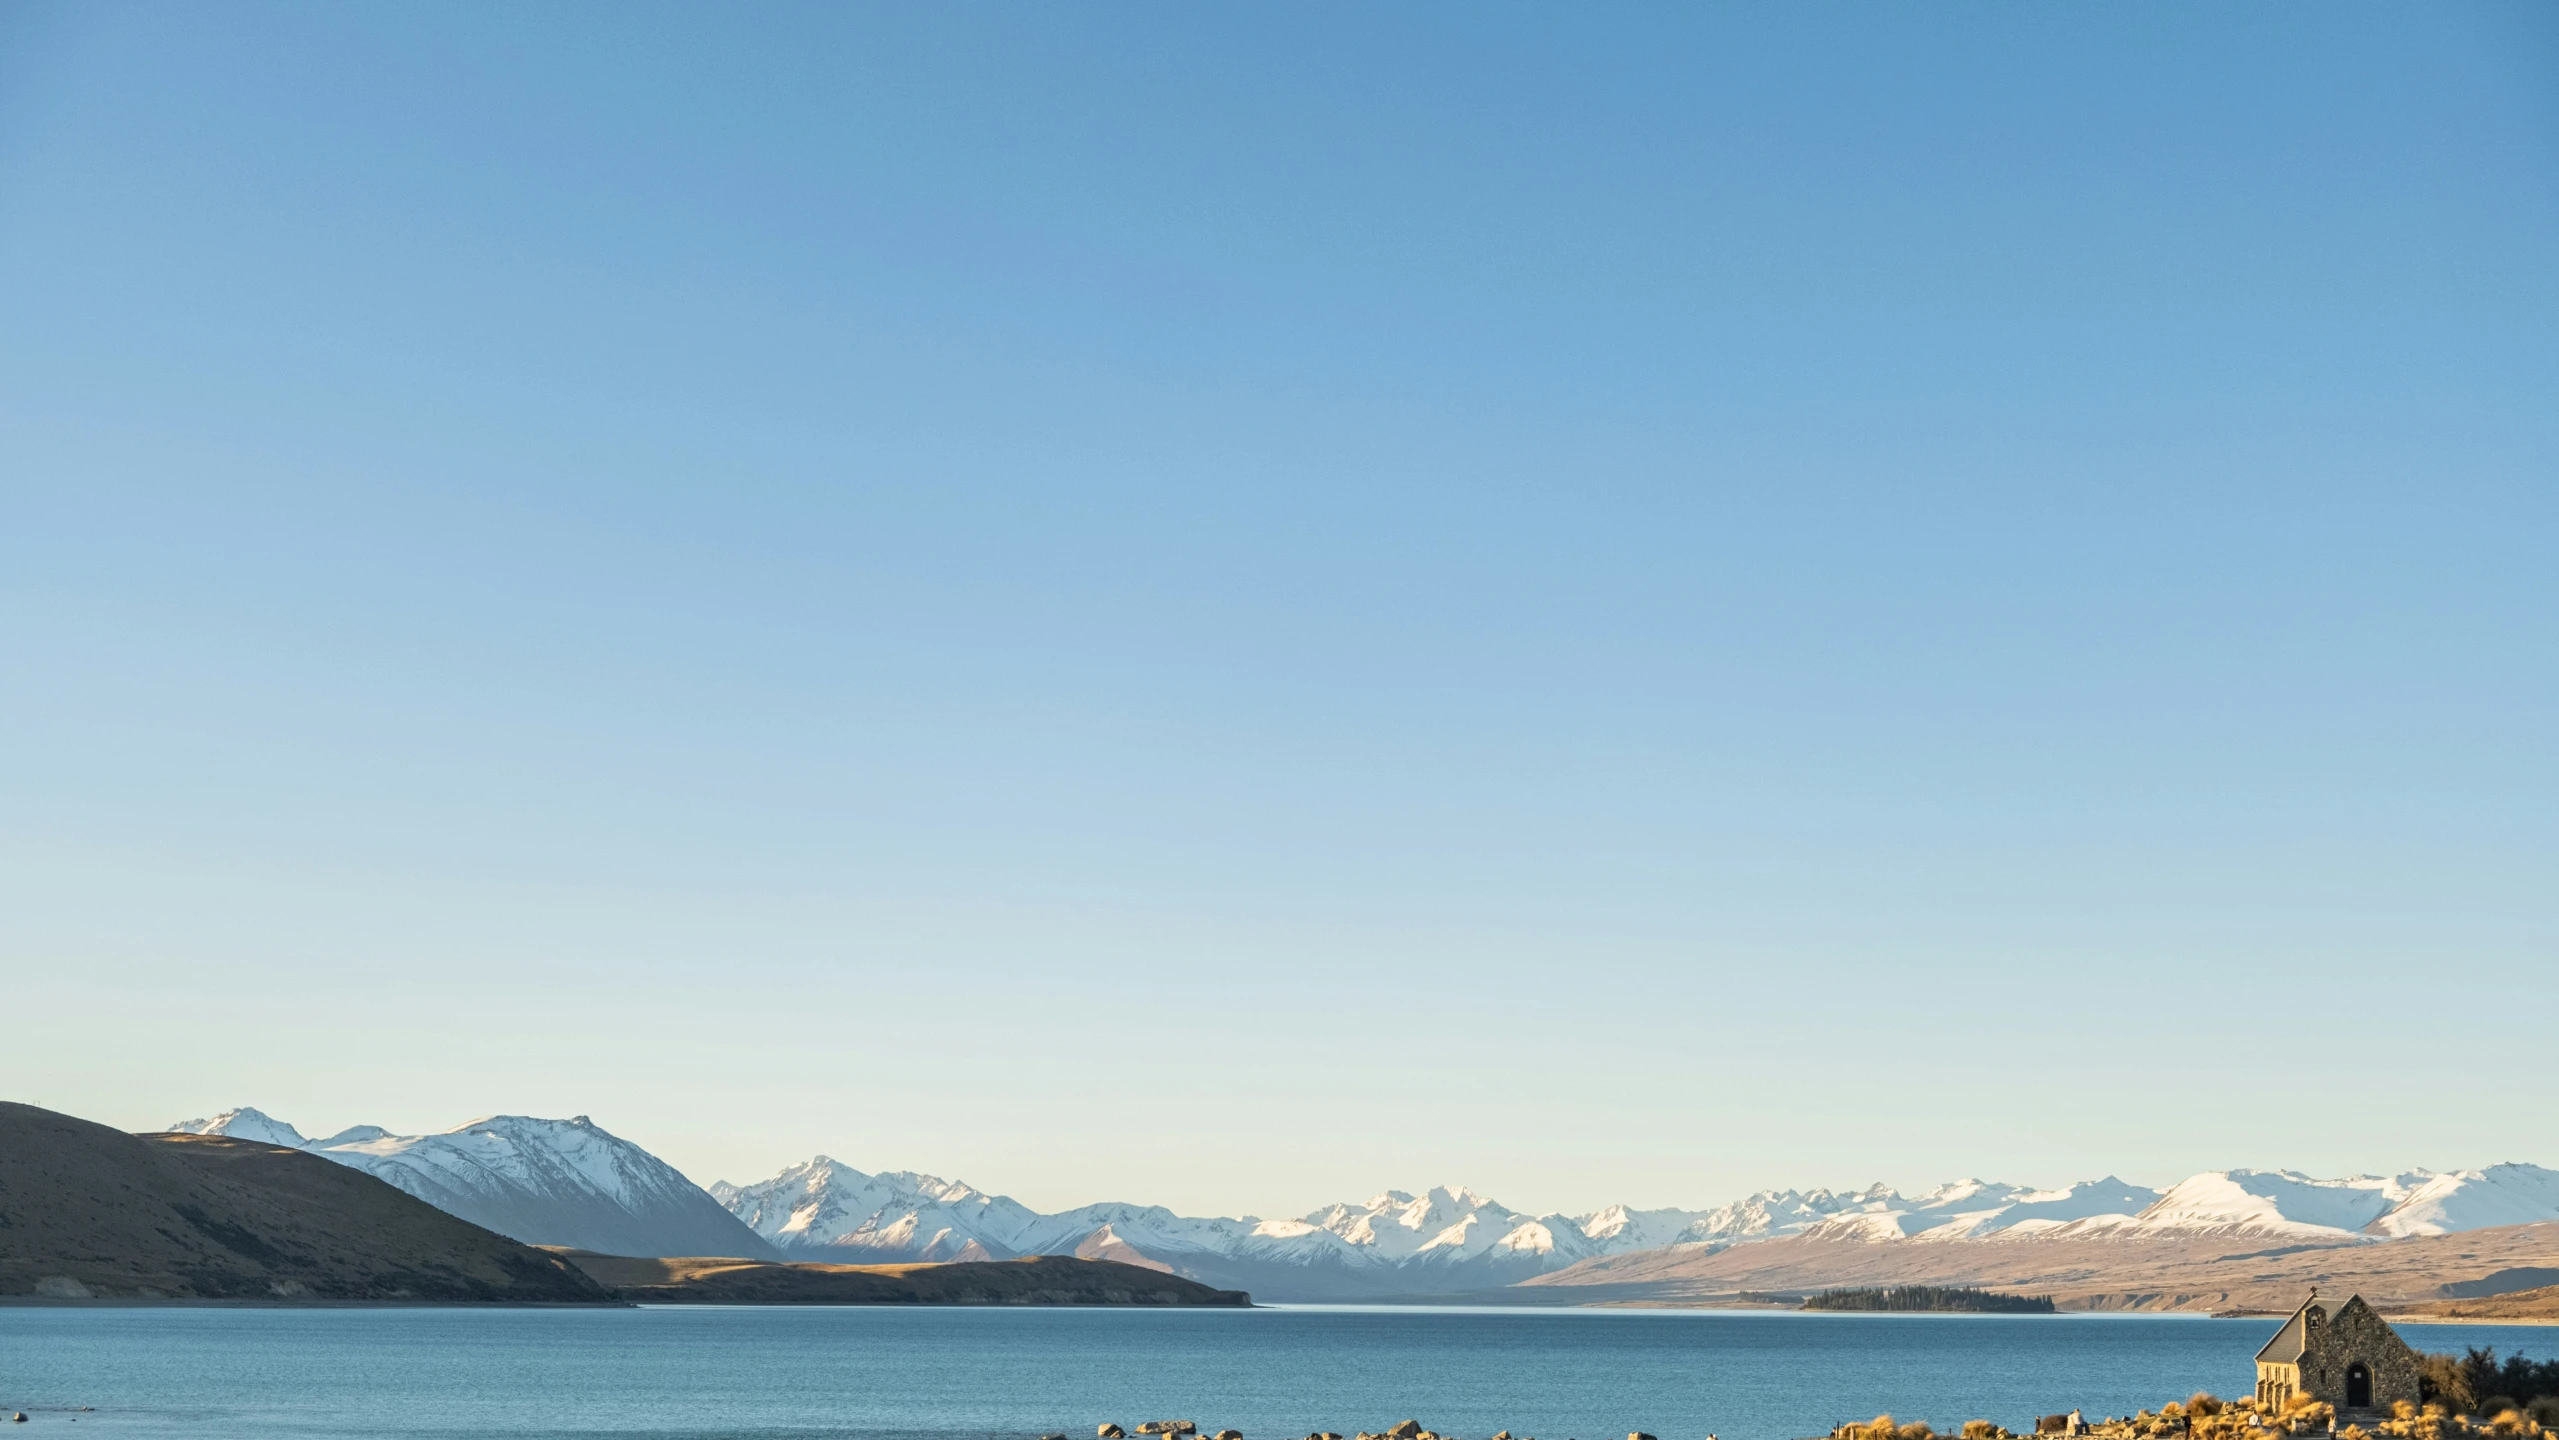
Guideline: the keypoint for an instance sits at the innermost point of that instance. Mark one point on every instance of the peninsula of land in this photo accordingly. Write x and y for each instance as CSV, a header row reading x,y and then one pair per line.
x,y
1031,1280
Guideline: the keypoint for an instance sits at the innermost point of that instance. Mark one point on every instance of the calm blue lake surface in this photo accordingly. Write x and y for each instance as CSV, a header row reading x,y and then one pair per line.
x,y
1273,1373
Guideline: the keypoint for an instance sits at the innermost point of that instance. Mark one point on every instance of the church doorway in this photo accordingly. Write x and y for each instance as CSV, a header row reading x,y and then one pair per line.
x,y
2359,1386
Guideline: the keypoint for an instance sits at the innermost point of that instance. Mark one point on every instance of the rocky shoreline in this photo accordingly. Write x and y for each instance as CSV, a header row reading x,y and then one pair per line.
x,y
2208,1417
2199,1417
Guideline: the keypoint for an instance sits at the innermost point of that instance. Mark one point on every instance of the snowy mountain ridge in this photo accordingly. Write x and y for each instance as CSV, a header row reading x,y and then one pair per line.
x,y
543,1182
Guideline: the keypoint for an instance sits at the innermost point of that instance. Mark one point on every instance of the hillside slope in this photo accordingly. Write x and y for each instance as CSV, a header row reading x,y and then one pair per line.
x,y
2084,1272
86,1210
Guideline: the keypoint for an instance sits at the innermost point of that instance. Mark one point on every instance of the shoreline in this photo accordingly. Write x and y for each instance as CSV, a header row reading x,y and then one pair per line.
x,y
1606,1307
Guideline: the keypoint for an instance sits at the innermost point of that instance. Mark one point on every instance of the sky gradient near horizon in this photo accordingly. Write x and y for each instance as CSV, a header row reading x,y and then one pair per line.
x,y
1236,607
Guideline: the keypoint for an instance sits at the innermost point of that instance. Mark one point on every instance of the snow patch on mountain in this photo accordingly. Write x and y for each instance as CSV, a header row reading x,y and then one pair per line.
x,y
2275,1202
827,1206
1961,1210
2474,1200
2413,1202
1618,1228
245,1124
2029,1212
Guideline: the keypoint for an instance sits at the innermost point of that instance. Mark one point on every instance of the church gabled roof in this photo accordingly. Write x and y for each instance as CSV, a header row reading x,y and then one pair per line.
x,y
2289,1342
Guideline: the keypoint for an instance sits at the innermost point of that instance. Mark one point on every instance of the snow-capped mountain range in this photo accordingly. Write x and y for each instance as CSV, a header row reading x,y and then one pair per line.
x,y
568,1182
1451,1239
543,1182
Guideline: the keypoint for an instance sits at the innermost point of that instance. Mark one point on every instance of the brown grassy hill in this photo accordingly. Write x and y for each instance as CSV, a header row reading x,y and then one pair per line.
x,y
1033,1280
90,1211
2215,1273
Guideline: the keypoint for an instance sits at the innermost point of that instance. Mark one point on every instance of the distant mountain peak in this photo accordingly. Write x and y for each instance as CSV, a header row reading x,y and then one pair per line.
x,y
245,1123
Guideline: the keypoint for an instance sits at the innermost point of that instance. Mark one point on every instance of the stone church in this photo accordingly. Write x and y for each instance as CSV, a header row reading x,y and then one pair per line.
x,y
2340,1352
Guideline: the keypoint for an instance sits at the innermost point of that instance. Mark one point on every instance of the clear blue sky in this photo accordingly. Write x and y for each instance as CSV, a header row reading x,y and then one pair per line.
x,y
1240,605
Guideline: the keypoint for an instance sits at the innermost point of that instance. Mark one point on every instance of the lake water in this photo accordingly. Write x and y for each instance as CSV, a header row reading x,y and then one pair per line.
x,y
937,1374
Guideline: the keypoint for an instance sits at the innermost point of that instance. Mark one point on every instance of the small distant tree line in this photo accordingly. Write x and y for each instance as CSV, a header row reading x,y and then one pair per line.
x,y
1931,1297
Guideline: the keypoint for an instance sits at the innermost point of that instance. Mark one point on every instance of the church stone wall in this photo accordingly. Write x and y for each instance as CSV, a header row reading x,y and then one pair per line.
x,y
2351,1333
